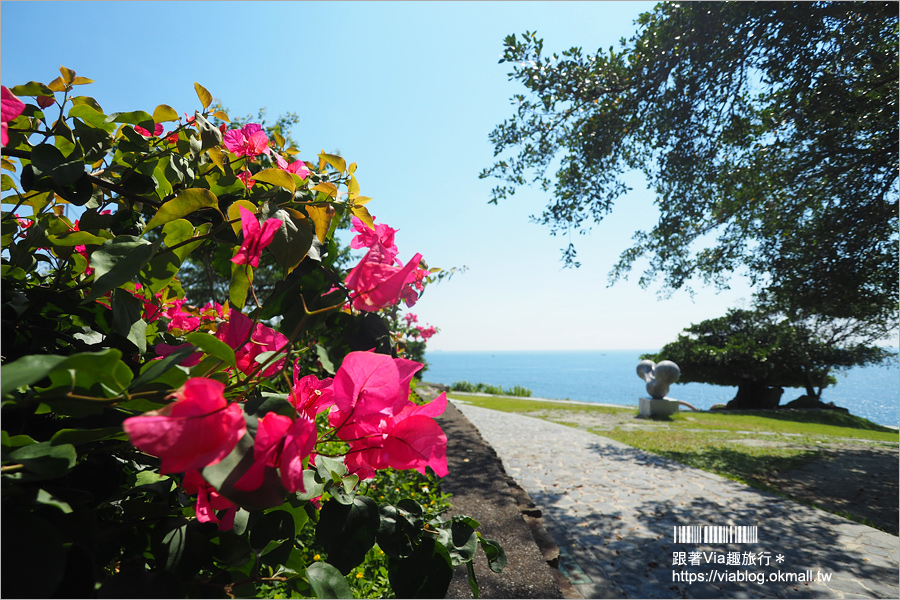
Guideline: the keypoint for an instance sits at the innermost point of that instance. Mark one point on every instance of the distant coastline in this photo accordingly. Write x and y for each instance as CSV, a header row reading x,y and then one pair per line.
x,y
608,377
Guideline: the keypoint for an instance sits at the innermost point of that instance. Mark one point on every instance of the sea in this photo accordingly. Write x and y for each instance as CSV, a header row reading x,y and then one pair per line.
x,y
610,377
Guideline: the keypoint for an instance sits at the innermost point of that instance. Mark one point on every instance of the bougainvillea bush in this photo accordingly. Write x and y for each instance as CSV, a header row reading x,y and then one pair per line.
x,y
157,448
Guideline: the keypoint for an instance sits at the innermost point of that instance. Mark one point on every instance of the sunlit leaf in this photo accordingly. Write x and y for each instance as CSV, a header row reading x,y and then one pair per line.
x,y
203,94
183,204
362,213
326,187
82,81
277,177
212,346
332,159
163,113
68,75
221,116
321,220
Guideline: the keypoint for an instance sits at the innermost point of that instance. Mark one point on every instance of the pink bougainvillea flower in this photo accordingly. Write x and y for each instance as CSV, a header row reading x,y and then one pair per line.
x,y
12,107
309,395
209,501
247,179
376,285
200,428
298,167
249,341
256,238
374,415
380,241
283,443
157,130
250,140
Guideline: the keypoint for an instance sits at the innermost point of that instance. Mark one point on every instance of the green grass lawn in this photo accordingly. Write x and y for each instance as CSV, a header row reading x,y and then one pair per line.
x,y
744,446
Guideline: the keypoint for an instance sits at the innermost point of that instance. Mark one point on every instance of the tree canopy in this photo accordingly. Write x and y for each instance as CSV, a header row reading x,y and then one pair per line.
x,y
756,351
767,130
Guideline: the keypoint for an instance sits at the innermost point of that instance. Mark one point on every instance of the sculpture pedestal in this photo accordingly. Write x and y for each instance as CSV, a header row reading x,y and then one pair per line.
x,y
651,407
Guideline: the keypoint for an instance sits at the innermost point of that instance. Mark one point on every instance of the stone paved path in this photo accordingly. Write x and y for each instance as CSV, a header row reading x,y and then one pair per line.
x,y
613,509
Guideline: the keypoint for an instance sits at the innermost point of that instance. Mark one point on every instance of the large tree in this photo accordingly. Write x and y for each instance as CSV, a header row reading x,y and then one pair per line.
x,y
768,131
761,353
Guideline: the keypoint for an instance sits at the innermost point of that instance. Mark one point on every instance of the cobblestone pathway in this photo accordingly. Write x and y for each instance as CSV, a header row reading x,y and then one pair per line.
x,y
613,510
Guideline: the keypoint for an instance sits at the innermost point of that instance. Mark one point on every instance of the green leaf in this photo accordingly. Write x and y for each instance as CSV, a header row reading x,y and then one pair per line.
x,y
27,370
183,204
76,238
32,88
425,574
327,582
127,322
312,485
324,359
212,346
48,161
92,117
45,460
118,261
241,278
292,240
177,232
203,94
347,531
277,177
137,117
156,369
84,436
8,183
495,554
272,526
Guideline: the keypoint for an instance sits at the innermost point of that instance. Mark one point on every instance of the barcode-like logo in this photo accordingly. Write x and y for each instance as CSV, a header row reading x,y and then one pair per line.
x,y
716,534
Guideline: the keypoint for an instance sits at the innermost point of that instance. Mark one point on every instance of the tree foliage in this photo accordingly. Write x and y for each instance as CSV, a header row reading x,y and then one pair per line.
x,y
767,130
757,350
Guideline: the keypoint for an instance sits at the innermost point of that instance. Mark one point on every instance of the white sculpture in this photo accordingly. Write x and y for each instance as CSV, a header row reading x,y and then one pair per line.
x,y
658,377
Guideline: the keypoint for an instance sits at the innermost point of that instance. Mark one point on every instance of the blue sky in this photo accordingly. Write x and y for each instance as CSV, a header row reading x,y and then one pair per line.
x,y
409,91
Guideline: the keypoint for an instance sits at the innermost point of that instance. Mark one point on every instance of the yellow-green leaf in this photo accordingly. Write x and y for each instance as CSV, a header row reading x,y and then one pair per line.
x,y
234,213
219,114
321,218
276,177
352,168
203,94
218,157
186,202
7,164
335,161
326,187
68,75
57,85
352,188
82,81
362,213
279,139
361,200
163,113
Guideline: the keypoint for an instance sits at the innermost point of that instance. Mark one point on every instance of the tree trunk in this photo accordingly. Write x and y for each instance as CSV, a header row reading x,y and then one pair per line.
x,y
754,395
